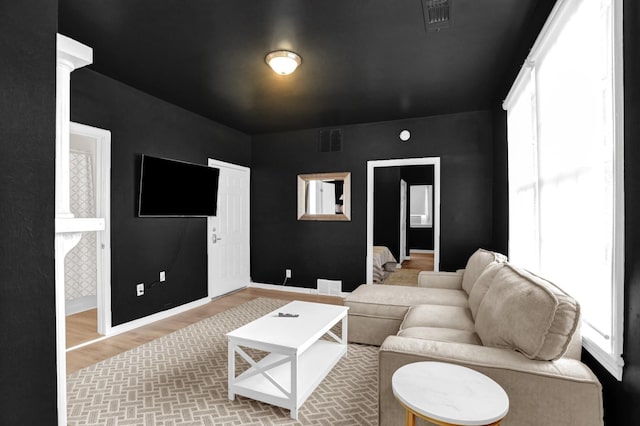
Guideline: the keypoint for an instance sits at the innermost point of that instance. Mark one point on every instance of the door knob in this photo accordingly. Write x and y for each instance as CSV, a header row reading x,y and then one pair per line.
x,y
214,238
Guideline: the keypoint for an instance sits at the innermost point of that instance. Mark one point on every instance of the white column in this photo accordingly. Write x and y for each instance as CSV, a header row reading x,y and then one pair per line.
x,y
70,55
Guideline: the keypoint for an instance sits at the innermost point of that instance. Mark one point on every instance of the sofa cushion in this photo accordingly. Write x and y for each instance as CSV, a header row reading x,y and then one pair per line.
x,y
393,301
442,335
476,264
481,286
524,312
452,317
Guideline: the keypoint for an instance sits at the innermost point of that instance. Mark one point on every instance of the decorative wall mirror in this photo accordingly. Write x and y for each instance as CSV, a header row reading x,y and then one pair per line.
x,y
324,196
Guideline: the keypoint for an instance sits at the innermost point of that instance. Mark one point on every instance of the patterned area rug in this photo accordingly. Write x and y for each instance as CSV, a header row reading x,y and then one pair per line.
x,y
181,379
403,276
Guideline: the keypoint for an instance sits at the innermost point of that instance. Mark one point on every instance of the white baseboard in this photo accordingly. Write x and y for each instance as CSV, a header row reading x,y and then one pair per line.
x,y
421,251
131,325
291,289
80,304
128,326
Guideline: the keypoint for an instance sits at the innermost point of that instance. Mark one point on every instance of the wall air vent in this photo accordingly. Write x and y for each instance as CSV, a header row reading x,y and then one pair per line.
x,y
437,14
330,140
329,287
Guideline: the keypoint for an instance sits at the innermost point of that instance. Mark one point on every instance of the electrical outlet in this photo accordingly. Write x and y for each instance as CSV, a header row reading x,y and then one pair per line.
x,y
140,289
163,276
287,273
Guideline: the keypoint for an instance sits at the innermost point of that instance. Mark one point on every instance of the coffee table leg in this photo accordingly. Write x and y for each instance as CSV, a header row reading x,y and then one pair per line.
x,y
231,356
344,332
410,418
294,387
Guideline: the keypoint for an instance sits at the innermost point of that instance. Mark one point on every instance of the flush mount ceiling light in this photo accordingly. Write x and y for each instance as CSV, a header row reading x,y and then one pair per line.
x,y
405,135
283,62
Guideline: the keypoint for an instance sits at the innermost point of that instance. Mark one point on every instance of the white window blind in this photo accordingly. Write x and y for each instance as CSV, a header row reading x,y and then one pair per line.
x,y
421,199
565,167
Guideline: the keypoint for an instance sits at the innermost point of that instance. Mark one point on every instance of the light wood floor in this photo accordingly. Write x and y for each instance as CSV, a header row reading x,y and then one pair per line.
x,y
82,327
421,261
99,351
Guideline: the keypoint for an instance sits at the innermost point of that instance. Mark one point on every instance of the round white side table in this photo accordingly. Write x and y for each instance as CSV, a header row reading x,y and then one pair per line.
x,y
449,394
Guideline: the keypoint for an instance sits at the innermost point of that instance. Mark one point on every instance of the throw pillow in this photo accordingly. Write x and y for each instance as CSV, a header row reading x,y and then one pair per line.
x,y
526,313
476,264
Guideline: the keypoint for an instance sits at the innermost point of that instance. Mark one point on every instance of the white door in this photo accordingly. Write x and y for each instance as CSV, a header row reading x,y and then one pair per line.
x,y
228,232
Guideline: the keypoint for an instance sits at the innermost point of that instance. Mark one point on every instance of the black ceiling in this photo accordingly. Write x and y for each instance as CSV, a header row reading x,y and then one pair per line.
x,y
363,60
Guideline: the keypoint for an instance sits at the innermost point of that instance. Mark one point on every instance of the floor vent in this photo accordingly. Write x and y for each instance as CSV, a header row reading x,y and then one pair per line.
x,y
329,287
437,14
330,140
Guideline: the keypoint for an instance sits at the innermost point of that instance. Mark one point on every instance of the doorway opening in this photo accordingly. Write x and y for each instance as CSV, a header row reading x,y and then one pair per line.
x,y
383,174
87,267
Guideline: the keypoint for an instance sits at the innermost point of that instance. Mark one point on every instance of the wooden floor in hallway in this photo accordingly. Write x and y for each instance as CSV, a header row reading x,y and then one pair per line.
x,y
421,261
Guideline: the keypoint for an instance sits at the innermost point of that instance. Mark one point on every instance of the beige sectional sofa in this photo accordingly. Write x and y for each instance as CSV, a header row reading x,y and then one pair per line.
x,y
515,327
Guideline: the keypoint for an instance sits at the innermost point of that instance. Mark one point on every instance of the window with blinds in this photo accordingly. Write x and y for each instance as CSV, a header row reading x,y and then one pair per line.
x,y
566,207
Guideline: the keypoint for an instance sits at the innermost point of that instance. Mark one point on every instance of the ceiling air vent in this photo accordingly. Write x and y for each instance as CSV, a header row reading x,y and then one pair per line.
x,y
437,14
330,140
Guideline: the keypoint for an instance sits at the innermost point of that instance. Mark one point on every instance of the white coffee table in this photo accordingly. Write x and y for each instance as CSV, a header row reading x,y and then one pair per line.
x,y
449,394
297,361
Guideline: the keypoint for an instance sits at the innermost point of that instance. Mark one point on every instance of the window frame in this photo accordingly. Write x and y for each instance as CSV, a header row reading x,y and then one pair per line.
x,y
428,206
613,360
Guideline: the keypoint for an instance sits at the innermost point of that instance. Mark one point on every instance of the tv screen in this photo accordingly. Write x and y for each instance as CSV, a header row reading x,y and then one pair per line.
x,y
175,188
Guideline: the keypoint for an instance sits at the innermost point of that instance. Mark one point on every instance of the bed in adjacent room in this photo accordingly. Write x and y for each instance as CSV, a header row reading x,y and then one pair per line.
x,y
383,262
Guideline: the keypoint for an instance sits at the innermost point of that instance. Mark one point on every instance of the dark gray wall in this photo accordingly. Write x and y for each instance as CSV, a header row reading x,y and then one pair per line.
x,y
386,209
338,249
27,81
142,247
27,176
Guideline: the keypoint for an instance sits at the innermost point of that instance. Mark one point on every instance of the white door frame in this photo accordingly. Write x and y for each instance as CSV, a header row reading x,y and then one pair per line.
x,y
403,222
217,163
102,140
371,166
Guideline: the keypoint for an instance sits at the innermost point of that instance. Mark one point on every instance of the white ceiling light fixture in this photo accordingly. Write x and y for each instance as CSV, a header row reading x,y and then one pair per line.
x,y
283,62
405,135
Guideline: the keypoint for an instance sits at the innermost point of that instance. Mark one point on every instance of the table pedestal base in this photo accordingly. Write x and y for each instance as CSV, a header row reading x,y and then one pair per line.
x,y
410,419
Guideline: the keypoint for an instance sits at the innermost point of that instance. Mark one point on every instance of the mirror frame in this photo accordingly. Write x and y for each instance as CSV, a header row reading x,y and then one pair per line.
x,y
302,183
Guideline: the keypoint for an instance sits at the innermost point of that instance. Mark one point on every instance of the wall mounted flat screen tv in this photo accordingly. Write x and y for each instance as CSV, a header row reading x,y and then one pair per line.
x,y
171,188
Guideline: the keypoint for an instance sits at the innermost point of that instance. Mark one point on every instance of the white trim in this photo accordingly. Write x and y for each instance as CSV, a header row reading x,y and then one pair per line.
x,y
80,304
371,165
404,255
72,52
518,85
302,290
554,23
211,162
81,224
420,251
101,139
70,55
614,362
140,322
558,15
